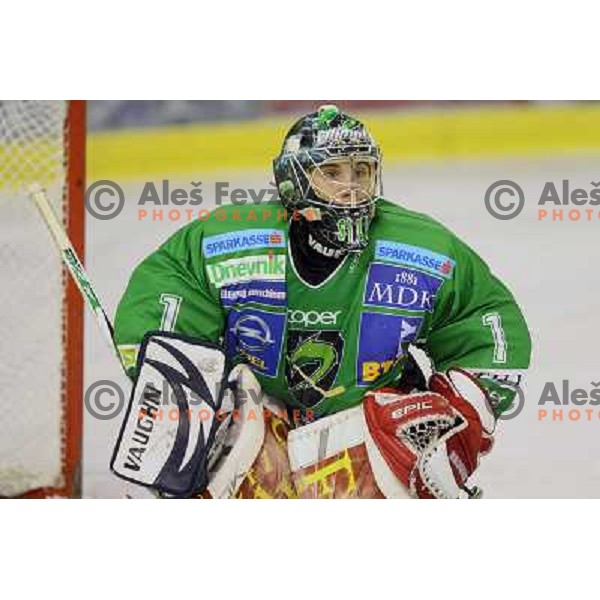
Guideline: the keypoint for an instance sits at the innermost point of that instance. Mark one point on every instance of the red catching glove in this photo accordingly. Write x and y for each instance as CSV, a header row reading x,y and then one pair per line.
x,y
432,440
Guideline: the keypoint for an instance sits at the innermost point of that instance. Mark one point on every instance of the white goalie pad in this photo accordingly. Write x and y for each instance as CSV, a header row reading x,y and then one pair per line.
x,y
311,444
243,438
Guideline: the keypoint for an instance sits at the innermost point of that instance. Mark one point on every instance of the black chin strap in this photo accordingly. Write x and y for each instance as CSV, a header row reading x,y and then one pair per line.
x,y
314,264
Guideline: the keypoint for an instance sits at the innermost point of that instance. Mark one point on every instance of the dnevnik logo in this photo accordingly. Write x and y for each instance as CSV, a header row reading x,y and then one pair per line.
x,y
237,270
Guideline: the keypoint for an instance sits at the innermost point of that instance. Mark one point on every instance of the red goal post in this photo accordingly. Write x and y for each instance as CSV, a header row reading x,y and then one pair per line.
x,y
41,338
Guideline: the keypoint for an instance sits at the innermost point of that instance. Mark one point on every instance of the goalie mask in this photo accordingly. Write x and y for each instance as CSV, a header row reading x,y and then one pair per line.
x,y
329,171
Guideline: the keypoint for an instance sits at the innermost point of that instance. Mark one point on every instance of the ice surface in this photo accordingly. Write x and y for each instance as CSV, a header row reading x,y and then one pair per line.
x,y
551,267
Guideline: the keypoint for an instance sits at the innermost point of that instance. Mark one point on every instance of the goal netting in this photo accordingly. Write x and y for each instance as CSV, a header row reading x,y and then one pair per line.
x,y
41,330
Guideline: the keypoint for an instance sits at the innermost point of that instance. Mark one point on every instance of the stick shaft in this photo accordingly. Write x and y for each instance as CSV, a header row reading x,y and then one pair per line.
x,y
73,264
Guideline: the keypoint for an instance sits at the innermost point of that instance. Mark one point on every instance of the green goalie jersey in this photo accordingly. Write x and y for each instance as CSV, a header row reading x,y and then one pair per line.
x,y
230,279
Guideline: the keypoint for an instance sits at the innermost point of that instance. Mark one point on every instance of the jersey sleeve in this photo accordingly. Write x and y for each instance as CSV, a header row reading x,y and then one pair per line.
x,y
478,325
169,291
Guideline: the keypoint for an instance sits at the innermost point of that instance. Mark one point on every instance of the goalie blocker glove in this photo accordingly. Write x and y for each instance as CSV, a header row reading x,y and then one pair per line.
x,y
179,411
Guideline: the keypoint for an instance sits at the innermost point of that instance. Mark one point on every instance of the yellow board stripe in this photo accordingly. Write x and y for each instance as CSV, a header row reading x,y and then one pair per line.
x,y
529,130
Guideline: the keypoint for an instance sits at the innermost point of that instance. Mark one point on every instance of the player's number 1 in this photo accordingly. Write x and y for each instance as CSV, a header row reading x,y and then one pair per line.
x,y
494,322
170,312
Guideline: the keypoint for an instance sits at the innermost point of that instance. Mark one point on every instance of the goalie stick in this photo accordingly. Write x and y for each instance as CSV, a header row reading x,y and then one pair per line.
x,y
69,257
171,478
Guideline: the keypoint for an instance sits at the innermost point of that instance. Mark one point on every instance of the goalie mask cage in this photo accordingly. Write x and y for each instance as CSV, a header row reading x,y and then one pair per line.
x,y
41,338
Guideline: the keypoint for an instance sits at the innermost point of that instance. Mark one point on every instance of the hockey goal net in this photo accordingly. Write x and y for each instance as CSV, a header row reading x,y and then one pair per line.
x,y
41,333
